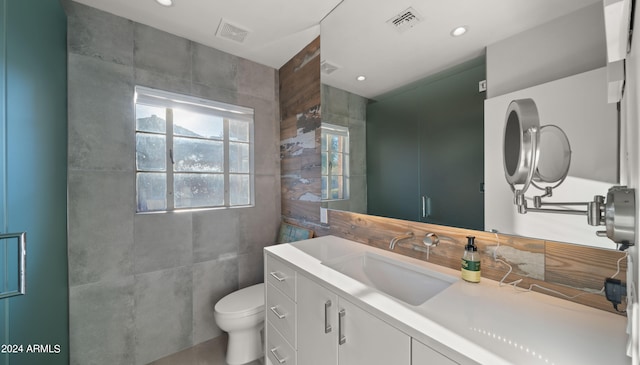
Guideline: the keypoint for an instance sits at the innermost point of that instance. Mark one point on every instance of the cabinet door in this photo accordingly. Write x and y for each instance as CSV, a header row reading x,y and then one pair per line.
x,y
369,340
317,324
422,354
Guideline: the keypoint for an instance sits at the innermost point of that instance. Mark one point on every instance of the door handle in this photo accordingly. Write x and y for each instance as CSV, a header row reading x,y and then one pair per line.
x,y
426,206
327,325
342,339
22,264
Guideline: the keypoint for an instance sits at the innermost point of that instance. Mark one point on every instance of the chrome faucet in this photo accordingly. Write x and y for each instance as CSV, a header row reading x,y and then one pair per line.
x,y
399,238
431,239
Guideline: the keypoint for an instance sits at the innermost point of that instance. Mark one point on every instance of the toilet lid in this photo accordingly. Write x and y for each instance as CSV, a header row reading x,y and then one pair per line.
x,y
247,301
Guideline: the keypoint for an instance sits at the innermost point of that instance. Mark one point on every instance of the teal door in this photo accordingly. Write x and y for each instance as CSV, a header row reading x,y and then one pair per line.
x,y
34,327
452,149
425,150
393,161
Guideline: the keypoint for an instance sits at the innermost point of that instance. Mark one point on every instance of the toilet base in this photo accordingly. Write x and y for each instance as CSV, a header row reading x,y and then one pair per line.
x,y
244,346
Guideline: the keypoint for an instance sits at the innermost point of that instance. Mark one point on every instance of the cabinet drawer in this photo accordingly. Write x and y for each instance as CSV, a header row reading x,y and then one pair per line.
x,y
281,313
282,276
278,350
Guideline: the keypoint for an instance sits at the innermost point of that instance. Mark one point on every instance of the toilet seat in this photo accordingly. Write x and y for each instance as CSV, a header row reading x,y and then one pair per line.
x,y
242,303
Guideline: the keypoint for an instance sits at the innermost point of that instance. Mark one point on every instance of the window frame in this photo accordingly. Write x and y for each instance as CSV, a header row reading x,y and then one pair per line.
x,y
342,131
227,112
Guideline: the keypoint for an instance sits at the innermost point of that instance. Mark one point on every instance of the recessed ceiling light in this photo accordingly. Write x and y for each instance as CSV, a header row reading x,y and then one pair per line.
x,y
361,78
165,2
458,31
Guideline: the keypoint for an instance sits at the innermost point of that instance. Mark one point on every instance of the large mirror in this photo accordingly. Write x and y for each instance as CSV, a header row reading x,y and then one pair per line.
x,y
394,56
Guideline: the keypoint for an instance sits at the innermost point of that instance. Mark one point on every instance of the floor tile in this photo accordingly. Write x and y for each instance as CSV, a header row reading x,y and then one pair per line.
x,y
210,352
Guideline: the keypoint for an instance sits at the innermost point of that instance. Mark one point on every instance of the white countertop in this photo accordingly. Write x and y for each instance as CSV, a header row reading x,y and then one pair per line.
x,y
485,322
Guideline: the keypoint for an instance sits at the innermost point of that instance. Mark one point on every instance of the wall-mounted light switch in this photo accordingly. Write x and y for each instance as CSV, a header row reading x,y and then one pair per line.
x,y
323,216
482,86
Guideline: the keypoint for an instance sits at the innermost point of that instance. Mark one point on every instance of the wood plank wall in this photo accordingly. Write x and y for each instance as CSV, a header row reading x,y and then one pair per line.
x,y
562,267
572,270
300,136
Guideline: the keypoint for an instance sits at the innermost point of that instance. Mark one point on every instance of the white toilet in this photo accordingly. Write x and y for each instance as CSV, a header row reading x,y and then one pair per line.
x,y
241,315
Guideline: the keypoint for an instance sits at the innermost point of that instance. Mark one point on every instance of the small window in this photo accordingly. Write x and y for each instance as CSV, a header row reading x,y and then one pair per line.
x,y
335,162
191,153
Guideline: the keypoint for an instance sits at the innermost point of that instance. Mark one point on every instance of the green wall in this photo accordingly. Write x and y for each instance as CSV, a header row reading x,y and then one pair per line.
x,y
33,179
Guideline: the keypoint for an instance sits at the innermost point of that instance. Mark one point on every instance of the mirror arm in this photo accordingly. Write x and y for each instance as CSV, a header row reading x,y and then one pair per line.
x,y
558,211
562,203
594,209
616,212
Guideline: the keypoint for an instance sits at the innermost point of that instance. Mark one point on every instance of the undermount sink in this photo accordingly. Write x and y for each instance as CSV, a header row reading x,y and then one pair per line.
x,y
411,284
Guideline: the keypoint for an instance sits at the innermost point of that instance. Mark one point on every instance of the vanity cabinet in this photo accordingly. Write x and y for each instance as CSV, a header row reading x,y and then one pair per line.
x,y
280,306
422,354
332,330
309,324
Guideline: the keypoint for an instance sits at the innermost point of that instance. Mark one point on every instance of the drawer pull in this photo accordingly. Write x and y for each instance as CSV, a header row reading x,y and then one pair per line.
x,y
342,339
327,325
275,311
274,352
278,276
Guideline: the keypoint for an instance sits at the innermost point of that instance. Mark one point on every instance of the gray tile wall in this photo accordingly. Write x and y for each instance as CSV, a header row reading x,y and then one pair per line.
x,y
346,109
143,286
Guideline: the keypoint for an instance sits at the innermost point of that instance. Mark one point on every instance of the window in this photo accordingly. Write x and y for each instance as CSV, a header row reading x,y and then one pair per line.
x,y
191,153
335,162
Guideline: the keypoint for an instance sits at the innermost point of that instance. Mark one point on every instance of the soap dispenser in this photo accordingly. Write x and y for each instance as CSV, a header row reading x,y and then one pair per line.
x,y
471,261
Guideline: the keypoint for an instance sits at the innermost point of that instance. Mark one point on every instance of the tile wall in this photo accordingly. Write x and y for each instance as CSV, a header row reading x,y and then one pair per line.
x,y
143,286
340,107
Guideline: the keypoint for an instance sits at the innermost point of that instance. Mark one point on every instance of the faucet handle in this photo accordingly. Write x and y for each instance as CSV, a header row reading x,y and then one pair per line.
x,y
431,239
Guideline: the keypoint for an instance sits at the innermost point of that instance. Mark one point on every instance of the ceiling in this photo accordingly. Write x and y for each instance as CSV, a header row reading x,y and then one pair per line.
x,y
355,35
277,29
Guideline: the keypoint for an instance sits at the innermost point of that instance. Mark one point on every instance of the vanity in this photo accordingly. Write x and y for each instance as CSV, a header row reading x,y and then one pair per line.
x,y
334,301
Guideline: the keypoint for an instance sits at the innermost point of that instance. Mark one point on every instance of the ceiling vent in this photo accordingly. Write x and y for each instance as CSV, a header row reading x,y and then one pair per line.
x,y
405,20
229,31
327,68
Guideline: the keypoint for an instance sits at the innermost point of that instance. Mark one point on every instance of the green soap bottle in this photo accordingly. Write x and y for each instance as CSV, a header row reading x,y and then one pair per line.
x,y
471,261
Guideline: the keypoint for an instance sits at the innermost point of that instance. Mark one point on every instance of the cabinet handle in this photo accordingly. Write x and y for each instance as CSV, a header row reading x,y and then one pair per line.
x,y
426,206
342,339
327,325
274,352
276,275
275,311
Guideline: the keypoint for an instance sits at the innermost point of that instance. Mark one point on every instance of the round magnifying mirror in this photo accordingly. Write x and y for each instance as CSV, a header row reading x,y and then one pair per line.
x,y
520,132
555,155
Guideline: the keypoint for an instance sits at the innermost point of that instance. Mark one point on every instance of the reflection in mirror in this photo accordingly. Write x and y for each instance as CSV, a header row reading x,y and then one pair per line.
x,y
534,155
346,111
537,159
524,44
555,155
334,151
520,141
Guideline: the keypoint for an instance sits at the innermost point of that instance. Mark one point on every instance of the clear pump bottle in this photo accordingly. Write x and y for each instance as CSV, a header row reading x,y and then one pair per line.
x,y
471,261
